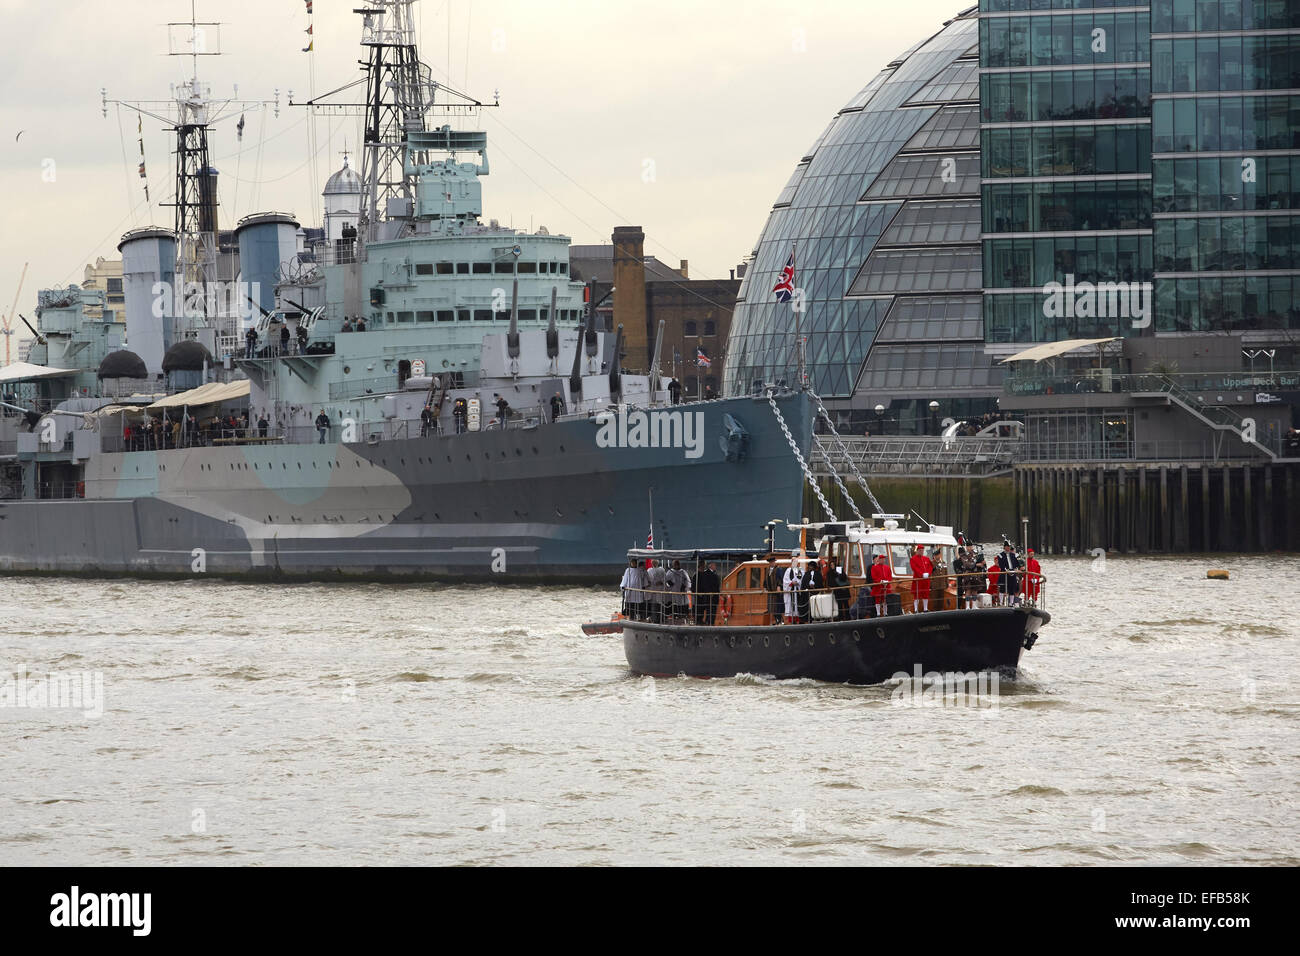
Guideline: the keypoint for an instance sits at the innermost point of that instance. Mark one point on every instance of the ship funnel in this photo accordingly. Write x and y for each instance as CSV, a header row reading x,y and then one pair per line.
x,y
149,258
552,333
512,337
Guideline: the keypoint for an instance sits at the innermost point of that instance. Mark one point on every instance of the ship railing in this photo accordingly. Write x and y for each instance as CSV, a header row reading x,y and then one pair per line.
x,y
754,606
167,439
54,490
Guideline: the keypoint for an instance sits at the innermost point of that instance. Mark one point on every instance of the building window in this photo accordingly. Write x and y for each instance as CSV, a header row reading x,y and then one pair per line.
x,y
114,285
710,328
691,329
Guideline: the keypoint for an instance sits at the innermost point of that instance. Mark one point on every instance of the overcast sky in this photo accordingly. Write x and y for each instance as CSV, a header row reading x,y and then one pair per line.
x,y
685,118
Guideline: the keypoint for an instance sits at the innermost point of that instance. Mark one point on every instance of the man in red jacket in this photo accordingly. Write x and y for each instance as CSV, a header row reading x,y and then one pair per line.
x,y
882,576
1033,577
922,568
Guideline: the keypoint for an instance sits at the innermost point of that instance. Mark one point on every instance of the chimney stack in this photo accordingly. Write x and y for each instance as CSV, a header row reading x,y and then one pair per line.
x,y
629,295
685,270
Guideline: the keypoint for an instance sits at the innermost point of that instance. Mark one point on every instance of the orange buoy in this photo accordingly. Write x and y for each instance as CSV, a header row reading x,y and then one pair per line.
x,y
1217,574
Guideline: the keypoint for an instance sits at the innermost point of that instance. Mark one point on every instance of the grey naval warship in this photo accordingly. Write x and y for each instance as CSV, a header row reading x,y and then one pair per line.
x,y
426,395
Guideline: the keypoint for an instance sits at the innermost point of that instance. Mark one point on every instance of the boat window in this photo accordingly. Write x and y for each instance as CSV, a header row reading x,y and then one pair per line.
x,y
424,268
390,317
855,559
564,268
527,268
405,316
446,315
482,315
424,316
504,267
462,315
482,267
900,558
462,268
446,268
554,266
527,315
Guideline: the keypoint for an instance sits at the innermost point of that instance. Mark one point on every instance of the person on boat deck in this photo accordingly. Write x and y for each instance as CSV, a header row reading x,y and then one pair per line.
x,y
839,581
632,583
922,568
250,343
557,407
1033,577
938,579
678,584
964,566
772,584
302,337
790,585
993,573
865,606
882,576
707,586
809,583
1009,581
323,425
347,324
655,596
503,408
361,323
284,339
675,391
427,418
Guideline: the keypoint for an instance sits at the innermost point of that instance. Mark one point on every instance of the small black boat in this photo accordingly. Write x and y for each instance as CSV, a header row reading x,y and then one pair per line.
x,y
745,627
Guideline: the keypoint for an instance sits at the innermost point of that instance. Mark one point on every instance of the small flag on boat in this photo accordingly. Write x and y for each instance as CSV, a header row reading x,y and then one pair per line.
x,y
650,538
309,6
784,287
309,30
702,359
309,47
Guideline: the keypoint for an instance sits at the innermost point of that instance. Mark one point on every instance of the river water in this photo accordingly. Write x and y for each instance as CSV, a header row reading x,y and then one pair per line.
x,y
1157,721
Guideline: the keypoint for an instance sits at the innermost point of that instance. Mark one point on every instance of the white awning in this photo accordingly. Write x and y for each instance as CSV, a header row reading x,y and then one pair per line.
x,y
208,394
26,371
1053,349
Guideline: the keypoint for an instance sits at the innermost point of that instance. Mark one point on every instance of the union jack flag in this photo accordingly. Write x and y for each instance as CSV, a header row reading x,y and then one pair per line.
x,y
650,538
702,358
784,287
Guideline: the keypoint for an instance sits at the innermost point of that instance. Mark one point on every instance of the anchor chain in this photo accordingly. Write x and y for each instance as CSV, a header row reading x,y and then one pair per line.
x,y
844,452
794,447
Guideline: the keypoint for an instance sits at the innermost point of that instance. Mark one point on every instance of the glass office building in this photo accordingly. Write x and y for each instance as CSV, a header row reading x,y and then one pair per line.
x,y
1152,148
882,217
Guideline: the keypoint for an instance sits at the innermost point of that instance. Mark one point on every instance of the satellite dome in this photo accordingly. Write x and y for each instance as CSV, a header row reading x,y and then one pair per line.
x,y
345,181
122,364
187,356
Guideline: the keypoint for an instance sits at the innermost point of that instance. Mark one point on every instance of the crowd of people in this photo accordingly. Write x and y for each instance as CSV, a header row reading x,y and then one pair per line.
x,y
185,430
663,594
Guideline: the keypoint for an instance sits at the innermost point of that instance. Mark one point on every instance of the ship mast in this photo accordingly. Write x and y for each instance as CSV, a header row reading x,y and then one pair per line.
x,y
190,114
398,93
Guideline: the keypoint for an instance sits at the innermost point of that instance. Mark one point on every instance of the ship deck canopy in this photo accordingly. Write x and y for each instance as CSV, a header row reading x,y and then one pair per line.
x,y
26,372
1052,349
210,394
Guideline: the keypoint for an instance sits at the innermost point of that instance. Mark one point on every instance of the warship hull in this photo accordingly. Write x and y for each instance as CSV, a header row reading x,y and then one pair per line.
x,y
547,503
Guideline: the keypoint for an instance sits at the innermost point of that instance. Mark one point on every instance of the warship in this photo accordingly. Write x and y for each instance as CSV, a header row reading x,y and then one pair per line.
x,y
404,392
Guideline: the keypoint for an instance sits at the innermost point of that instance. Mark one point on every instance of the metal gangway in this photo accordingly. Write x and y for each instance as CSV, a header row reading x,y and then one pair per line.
x,y
922,456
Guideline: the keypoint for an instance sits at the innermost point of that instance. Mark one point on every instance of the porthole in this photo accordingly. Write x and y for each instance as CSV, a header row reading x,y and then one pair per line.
x,y
831,638
749,641
787,640
767,641
811,640
732,640
857,638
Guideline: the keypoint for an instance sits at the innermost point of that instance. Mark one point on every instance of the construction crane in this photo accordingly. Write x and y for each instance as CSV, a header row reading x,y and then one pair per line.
x,y
7,320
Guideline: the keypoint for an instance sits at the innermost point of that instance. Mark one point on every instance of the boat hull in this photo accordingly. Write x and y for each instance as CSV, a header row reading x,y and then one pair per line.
x,y
845,652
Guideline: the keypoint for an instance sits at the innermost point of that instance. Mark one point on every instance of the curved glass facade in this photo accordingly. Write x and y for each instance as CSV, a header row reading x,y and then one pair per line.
x,y
882,216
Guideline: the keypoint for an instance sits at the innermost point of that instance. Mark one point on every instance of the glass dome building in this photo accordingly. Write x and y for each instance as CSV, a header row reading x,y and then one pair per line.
x,y
882,217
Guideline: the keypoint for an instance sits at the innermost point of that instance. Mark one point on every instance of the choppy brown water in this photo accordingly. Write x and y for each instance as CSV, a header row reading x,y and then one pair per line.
x,y
1156,721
